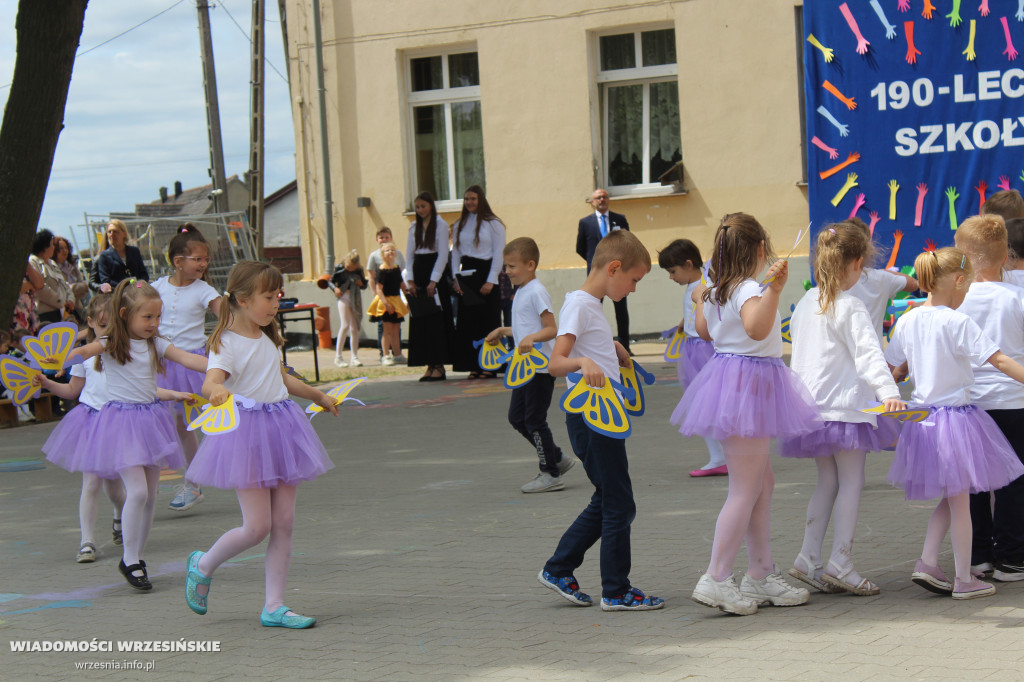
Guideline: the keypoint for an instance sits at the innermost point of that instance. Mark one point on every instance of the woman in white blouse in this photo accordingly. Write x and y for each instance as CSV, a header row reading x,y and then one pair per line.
x,y
426,282
479,237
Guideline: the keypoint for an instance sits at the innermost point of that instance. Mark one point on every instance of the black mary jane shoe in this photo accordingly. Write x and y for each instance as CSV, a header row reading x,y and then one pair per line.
x,y
138,582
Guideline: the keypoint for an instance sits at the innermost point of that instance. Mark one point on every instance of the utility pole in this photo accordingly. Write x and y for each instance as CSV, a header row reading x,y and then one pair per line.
x,y
256,126
282,10
318,47
220,197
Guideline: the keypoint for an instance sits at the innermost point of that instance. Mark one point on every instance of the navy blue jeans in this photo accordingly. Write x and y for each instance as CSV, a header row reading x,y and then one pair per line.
x,y
528,414
608,515
999,536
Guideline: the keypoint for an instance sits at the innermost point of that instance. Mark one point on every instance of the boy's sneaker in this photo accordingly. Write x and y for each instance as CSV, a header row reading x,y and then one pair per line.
x,y
544,483
982,570
772,589
567,587
634,600
355,362
931,578
567,462
401,360
1009,571
188,496
972,589
723,595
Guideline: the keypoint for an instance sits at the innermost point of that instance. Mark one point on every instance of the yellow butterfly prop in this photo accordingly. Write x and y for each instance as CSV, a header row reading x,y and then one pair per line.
x,y
220,419
786,334
17,376
674,349
492,356
601,408
340,395
633,378
194,409
901,415
522,368
51,348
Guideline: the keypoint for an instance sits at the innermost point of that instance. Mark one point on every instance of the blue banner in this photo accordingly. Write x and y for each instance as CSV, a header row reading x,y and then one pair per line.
x,y
914,113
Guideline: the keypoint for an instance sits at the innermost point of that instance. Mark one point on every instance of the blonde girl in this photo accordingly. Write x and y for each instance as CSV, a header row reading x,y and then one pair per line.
x,y
387,306
346,282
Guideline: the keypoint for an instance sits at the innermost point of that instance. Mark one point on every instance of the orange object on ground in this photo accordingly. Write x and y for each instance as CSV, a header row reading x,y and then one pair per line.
x,y
323,326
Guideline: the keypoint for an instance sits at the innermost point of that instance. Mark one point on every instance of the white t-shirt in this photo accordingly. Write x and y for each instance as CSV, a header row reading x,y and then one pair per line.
x,y
134,382
491,245
184,312
939,344
530,301
875,288
690,311
440,247
583,316
1014,277
838,357
998,308
94,393
728,333
253,367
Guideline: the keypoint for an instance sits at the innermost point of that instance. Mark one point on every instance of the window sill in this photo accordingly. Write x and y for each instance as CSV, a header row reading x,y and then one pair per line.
x,y
442,207
801,183
646,193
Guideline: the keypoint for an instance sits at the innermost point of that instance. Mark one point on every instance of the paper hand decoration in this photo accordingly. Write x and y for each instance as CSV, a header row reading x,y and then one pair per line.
x,y
952,195
826,51
851,182
912,52
852,157
51,348
1020,10
1010,51
981,187
897,239
922,189
927,10
340,395
17,376
523,367
983,9
874,221
862,42
859,204
601,408
674,349
848,101
969,50
908,415
844,130
1004,183
492,356
954,16
833,153
220,419
893,188
633,378
890,30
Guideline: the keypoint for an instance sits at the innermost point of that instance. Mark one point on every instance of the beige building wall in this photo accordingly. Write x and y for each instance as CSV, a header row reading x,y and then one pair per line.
x,y
739,119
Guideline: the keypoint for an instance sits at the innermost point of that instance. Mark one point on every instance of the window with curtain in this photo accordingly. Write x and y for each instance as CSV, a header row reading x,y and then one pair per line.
x,y
447,132
639,94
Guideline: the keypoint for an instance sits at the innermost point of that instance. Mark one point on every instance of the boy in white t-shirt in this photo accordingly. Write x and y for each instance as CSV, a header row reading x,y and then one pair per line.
x,y
585,345
533,321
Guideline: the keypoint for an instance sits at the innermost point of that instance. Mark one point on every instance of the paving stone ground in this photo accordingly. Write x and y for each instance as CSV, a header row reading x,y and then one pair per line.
x,y
418,555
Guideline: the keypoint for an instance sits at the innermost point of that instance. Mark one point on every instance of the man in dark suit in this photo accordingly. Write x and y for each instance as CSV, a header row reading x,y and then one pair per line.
x,y
591,230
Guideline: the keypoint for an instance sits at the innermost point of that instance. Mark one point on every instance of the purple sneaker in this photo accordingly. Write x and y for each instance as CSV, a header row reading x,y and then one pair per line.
x,y
972,589
931,578
567,587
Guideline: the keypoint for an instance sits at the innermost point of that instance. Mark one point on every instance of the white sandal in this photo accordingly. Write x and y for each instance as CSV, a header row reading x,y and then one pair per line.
x,y
86,553
865,588
808,578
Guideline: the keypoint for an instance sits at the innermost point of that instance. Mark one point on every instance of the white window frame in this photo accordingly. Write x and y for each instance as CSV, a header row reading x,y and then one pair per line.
x,y
446,96
639,75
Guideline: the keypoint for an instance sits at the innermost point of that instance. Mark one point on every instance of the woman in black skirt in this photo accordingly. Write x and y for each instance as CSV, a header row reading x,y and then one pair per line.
x,y
479,238
430,316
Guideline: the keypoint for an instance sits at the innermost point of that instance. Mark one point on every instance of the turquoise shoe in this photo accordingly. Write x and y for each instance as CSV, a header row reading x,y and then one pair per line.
x,y
194,578
277,619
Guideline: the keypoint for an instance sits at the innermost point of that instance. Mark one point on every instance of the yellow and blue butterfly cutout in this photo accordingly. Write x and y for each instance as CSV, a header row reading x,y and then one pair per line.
x,y
18,376
220,419
633,378
674,349
908,415
492,355
194,409
601,408
522,367
49,351
340,394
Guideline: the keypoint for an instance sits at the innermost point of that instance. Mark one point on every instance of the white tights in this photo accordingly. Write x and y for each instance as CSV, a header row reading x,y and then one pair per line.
x,y
746,513
837,495
349,326
189,441
716,455
88,503
140,487
952,514
264,511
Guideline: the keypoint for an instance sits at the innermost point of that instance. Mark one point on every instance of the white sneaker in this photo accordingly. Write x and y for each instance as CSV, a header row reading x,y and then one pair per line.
x,y
401,360
772,589
355,362
723,595
388,360
338,362
544,483
187,496
567,462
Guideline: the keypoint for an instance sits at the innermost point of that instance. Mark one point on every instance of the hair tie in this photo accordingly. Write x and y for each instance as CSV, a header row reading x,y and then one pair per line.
x,y
227,293
935,256
963,262
832,230
182,229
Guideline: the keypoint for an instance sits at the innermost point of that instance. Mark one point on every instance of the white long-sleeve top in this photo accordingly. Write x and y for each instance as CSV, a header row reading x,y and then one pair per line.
x,y
440,247
998,308
492,242
838,357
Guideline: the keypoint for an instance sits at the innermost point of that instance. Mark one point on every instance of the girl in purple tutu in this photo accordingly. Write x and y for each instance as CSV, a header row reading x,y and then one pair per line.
x,y
837,354
744,397
186,299
681,259
136,427
273,449
958,449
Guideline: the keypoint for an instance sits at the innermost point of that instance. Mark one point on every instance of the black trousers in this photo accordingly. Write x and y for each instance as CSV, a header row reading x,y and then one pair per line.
x,y
528,414
622,322
999,532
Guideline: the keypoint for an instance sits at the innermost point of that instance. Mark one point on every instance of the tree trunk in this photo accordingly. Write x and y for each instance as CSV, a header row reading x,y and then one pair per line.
x,y
47,32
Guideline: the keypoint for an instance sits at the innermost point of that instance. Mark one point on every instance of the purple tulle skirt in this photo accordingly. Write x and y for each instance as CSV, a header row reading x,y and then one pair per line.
x,y
836,436
954,451
74,445
273,445
748,397
136,434
180,378
696,353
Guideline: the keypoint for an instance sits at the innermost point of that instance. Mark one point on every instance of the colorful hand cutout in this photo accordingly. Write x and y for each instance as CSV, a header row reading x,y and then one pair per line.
x,y
903,5
633,378
492,356
952,195
969,51
1010,51
848,101
922,189
983,9
901,415
859,204
893,188
890,30
897,240
981,187
194,409
340,395
833,153
851,182
852,157
601,408
674,349
1004,183
220,419
954,15
1020,10
912,52
862,43
18,377
51,348
522,368
844,130
826,51
927,10
930,245
874,221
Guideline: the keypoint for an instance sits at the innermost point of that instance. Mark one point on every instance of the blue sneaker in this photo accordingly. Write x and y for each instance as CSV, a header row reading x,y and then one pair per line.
x,y
634,600
567,587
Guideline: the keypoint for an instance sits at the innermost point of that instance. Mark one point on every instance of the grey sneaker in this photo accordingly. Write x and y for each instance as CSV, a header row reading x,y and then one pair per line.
x,y
773,589
567,462
543,483
724,596
187,496
401,360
